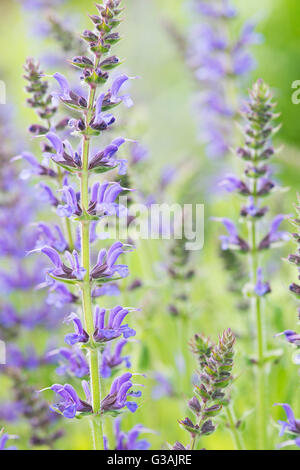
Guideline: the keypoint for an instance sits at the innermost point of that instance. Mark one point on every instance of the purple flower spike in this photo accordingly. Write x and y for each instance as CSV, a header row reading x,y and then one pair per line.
x,y
70,403
112,328
119,392
261,288
292,425
80,335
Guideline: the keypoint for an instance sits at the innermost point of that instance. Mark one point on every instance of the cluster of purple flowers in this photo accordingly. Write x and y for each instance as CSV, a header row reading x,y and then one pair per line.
x,y
72,274
219,62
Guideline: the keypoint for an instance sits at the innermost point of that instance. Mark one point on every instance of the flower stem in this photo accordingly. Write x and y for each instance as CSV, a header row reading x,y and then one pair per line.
x,y
96,429
96,423
237,437
261,405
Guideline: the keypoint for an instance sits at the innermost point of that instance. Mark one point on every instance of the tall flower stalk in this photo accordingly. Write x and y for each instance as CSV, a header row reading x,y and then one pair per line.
x,y
94,327
254,186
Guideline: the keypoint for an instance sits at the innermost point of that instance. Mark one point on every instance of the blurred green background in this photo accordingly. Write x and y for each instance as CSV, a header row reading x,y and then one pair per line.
x,y
163,120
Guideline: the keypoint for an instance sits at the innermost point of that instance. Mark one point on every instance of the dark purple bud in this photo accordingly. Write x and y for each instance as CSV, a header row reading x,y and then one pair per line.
x,y
109,63
295,259
36,129
178,446
173,310
95,19
295,288
61,125
112,38
265,188
89,36
136,284
212,410
267,153
194,405
207,428
82,62
244,153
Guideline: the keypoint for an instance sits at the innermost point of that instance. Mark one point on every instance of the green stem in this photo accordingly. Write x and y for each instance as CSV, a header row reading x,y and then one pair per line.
x,y
261,403
69,234
97,433
96,420
237,437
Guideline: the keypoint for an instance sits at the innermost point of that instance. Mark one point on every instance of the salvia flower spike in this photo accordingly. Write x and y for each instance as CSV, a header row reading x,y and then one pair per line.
x,y
254,186
70,255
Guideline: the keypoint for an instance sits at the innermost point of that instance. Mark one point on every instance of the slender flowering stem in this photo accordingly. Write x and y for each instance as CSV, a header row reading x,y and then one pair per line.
x,y
97,429
256,185
257,314
237,437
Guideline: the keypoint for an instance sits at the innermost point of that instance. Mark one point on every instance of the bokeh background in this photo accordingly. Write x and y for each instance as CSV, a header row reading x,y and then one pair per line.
x,y
164,120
